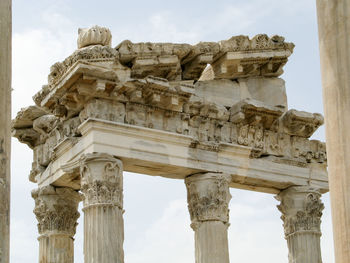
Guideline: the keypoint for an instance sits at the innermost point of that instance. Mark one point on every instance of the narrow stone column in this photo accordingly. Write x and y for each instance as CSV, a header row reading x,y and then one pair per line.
x,y
301,210
5,129
208,198
56,210
102,187
334,39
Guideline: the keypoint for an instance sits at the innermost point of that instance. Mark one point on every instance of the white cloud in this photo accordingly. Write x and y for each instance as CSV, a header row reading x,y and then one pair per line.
x,y
34,52
168,239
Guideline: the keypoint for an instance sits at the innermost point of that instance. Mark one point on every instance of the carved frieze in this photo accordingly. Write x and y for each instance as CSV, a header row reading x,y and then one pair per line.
x,y
208,197
56,210
102,109
301,209
101,180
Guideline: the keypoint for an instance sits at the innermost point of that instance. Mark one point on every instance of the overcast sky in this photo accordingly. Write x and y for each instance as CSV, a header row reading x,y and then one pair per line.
x,y
157,224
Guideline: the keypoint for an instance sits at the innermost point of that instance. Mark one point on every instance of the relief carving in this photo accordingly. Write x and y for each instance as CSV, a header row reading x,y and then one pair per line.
x,y
103,109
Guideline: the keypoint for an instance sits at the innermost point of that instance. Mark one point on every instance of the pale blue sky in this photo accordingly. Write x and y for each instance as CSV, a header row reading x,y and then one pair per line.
x,y
156,219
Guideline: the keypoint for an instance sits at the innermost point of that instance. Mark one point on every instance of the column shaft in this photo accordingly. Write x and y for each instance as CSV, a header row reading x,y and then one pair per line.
x,y
104,234
102,187
56,210
211,242
5,129
301,209
208,198
56,249
334,40
304,247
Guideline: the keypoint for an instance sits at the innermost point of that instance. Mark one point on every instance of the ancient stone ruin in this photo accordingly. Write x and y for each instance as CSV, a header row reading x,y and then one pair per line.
x,y
213,114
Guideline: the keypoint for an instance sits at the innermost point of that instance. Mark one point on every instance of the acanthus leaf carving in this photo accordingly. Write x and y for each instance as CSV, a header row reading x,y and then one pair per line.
x,y
301,209
208,197
56,210
101,180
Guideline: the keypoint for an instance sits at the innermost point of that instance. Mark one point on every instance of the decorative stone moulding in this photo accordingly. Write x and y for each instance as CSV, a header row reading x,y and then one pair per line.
x,y
157,89
94,36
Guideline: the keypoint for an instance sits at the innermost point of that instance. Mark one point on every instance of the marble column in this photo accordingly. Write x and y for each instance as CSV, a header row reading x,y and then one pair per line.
x,y
301,209
5,129
208,198
102,187
334,41
56,210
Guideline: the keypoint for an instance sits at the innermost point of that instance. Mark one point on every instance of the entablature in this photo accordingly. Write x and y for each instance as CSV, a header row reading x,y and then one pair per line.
x,y
151,95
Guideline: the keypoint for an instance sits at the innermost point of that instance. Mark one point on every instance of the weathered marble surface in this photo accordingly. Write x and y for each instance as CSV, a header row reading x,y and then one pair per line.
x,y
56,210
334,39
5,127
214,114
208,198
301,209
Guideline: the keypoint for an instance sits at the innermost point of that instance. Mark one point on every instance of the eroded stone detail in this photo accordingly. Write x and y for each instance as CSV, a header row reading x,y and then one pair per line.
x,y
208,197
56,210
94,36
154,85
101,180
301,210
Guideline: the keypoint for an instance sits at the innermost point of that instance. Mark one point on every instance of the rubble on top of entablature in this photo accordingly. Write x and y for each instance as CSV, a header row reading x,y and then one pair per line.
x,y
156,59
236,57
129,51
240,57
258,42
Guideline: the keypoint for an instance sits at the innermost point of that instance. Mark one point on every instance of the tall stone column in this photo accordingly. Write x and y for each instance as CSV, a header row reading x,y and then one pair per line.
x,y
301,210
56,210
208,198
102,187
5,123
334,39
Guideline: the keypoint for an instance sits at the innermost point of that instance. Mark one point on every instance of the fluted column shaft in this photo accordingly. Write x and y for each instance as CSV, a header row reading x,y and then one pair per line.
x,y
102,187
334,40
57,212
208,199
301,210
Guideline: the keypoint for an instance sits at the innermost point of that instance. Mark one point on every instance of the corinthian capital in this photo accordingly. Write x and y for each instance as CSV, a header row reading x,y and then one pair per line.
x,y
301,209
56,210
208,197
101,180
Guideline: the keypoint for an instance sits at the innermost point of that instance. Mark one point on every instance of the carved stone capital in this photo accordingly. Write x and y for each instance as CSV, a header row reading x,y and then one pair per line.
x,y
95,35
208,197
56,210
101,180
301,209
